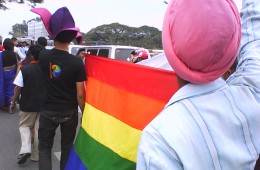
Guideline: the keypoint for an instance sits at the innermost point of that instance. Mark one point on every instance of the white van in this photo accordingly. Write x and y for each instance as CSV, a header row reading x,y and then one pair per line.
x,y
117,52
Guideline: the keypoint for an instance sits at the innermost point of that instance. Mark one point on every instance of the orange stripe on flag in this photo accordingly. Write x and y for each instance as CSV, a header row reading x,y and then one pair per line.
x,y
133,109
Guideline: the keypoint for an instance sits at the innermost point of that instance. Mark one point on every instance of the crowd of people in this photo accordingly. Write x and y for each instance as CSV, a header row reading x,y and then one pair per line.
x,y
13,57
211,122
49,86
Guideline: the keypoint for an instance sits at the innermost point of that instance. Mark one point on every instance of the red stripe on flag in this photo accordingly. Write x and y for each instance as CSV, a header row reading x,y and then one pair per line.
x,y
142,80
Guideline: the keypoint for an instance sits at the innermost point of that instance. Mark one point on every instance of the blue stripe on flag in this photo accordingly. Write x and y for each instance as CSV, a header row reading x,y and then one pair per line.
x,y
74,162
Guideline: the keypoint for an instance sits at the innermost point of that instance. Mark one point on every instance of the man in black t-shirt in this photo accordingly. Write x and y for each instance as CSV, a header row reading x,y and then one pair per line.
x,y
29,85
64,77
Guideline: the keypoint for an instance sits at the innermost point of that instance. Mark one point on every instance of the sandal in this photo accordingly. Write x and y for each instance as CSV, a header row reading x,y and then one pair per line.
x,y
23,158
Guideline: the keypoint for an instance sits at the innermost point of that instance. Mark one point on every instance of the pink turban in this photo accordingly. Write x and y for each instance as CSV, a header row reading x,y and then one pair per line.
x,y
201,38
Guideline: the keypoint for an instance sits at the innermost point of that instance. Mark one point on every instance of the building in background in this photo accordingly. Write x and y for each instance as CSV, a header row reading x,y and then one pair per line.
x,y
36,29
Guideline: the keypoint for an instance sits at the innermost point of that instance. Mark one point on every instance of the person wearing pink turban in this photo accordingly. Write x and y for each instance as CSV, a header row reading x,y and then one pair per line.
x,y
209,123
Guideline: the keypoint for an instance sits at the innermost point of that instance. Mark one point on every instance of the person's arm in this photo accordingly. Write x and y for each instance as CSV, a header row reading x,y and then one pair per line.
x,y
18,65
81,95
248,68
17,92
18,82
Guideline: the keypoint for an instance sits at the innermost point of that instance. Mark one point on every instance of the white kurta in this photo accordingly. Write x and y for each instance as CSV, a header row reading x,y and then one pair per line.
x,y
214,125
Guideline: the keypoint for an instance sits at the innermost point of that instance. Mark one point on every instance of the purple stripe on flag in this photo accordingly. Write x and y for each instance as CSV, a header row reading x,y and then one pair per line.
x,y
74,162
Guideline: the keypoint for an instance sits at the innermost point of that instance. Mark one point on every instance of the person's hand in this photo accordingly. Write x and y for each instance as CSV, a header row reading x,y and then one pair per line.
x,y
12,107
82,54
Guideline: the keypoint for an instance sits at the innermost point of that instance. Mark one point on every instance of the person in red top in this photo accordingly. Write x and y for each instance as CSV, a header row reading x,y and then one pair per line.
x,y
138,55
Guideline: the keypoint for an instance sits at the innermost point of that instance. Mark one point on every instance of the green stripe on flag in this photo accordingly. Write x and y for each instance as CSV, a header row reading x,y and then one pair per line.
x,y
96,156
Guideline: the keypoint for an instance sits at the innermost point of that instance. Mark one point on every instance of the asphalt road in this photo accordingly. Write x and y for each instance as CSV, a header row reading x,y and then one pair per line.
x,y
10,144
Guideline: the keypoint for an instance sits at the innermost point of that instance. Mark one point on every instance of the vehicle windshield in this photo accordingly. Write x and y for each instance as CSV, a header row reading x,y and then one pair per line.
x,y
123,54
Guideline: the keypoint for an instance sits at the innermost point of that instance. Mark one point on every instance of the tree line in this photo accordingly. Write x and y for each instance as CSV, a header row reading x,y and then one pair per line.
x,y
118,34
110,34
32,3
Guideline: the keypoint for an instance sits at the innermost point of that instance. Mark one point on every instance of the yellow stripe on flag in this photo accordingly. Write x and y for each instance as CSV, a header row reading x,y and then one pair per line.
x,y
124,105
110,132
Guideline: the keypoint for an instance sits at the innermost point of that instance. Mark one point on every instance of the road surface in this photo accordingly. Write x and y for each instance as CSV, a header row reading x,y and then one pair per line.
x,y
10,144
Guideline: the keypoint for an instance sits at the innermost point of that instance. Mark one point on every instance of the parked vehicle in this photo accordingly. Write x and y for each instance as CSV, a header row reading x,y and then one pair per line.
x,y
117,52
73,49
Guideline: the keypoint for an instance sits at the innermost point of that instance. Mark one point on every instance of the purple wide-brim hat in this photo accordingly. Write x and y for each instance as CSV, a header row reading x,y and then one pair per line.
x,y
61,20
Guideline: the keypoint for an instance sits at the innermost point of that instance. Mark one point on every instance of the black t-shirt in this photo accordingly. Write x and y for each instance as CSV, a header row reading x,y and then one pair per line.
x,y
61,71
33,89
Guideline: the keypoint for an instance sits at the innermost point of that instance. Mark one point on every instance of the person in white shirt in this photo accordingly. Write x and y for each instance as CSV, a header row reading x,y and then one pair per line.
x,y
17,50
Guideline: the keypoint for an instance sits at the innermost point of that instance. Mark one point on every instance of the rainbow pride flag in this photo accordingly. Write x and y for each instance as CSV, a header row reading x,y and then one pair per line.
x,y
121,99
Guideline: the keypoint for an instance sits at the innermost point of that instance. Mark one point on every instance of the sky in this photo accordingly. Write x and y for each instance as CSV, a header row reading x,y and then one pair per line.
x,y
89,14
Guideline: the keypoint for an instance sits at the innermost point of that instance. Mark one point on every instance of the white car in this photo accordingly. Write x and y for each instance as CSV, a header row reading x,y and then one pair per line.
x,y
117,52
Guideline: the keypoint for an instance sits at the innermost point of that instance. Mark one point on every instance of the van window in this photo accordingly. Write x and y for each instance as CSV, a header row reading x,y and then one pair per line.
x,y
103,52
92,51
74,50
123,54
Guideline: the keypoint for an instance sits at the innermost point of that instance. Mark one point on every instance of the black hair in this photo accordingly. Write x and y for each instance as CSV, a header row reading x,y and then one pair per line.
x,y
8,44
79,39
42,41
133,52
35,51
14,39
66,36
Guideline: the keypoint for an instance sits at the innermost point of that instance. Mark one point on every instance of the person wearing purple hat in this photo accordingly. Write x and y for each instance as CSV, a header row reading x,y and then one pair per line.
x,y
209,123
64,76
